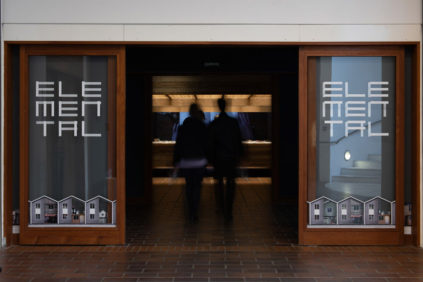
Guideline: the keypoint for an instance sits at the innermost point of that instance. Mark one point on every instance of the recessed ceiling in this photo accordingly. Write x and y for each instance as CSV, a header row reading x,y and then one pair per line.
x,y
212,84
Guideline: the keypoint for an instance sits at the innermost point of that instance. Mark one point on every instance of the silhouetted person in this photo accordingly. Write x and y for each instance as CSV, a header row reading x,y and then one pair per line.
x,y
225,147
190,157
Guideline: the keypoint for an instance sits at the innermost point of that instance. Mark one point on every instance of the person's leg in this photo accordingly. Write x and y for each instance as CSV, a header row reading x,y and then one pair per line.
x,y
230,195
189,180
219,195
196,191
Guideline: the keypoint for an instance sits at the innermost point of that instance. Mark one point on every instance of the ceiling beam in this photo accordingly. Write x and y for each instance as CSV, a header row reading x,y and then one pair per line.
x,y
249,99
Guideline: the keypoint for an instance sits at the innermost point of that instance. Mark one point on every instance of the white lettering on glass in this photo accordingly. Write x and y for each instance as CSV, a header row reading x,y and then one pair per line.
x,y
44,123
351,111
63,109
85,134
327,87
332,122
44,104
375,134
372,88
69,108
349,125
38,88
355,113
347,94
95,103
65,95
73,126
86,88
383,103
331,103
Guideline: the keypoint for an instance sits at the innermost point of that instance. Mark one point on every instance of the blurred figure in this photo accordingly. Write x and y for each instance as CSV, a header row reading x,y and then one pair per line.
x,y
225,147
190,157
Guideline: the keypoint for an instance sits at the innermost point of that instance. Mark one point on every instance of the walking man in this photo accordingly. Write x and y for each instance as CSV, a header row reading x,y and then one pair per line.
x,y
225,152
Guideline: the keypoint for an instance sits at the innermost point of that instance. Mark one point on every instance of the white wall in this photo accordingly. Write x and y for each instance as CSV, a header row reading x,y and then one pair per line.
x,y
212,20
213,11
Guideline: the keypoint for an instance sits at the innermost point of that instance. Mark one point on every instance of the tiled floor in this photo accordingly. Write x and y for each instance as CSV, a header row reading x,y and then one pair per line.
x,y
258,246
256,222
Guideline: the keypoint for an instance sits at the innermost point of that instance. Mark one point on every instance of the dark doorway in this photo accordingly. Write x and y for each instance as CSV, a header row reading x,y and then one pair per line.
x,y
270,206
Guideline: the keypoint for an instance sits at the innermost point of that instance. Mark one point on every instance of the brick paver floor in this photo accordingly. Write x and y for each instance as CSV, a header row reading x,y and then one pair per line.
x,y
260,245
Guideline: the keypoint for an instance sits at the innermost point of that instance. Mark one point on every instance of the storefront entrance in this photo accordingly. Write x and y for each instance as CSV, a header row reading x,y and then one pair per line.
x,y
253,89
343,135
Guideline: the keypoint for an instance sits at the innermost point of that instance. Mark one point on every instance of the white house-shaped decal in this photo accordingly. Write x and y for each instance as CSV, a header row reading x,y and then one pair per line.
x,y
350,211
43,210
322,211
377,211
98,209
68,206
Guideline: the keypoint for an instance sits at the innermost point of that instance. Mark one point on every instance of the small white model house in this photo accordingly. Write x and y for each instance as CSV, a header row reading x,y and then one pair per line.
x,y
43,210
97,209
350,211
322,211
377,211
70,207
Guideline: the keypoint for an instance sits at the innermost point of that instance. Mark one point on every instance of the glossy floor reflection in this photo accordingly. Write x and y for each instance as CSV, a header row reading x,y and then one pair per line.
x,y
256,222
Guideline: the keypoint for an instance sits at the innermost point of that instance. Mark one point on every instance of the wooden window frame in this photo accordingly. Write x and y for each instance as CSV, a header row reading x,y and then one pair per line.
x,y
116,146
307,152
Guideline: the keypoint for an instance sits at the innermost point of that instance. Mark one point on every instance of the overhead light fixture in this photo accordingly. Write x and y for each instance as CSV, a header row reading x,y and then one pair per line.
x,y
347,155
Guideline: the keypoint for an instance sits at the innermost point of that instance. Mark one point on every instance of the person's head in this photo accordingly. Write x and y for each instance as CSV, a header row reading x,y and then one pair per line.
x,y
222,104
195,111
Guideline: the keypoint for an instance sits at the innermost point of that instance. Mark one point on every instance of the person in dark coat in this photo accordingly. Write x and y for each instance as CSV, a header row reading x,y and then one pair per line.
x,y
190,157
225,150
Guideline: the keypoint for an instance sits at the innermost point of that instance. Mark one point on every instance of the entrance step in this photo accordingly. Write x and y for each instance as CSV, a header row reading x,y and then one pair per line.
x,y
357,171
362,191
368,164
375,157
356,179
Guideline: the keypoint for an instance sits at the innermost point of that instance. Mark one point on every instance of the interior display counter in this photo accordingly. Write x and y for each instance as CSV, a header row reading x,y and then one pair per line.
x,y
257,154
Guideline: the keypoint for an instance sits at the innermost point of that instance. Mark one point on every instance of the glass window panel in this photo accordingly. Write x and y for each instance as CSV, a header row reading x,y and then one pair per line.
x,y
355,137
71,142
